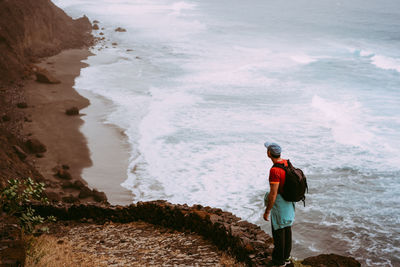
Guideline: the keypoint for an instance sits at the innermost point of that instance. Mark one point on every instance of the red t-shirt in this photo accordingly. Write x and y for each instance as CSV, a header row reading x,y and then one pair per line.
x,y
277,176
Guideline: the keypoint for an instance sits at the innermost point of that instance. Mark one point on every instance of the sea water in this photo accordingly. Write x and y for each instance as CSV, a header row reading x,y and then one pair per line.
x,y
208,82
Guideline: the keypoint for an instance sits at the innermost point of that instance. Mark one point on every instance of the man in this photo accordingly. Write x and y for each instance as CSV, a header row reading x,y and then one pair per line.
x,y
280,210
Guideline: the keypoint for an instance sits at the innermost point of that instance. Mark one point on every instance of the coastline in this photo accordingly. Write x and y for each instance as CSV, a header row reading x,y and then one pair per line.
x,y
66,145
109,149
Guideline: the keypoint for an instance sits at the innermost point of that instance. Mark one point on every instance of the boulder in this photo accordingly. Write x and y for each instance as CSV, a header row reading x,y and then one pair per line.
x,y
85,192
70,199
99,196
96,21
331,260
72,111
44,76
35,146
65,166
5,118
63,174
53,196
67,184
79,185
20,153
22,105
114,43
119,29
95,26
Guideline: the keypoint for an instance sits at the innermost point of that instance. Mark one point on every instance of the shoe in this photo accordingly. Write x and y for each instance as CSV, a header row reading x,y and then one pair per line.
x,y
275,264
288,263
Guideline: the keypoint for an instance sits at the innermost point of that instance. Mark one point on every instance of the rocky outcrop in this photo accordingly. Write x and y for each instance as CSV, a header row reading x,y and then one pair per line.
x,y
35,146
12,247
74,111
44,76
119,29
33,29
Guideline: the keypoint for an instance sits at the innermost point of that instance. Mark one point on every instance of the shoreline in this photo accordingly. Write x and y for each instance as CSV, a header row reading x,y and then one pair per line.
x,y
110,150
67,146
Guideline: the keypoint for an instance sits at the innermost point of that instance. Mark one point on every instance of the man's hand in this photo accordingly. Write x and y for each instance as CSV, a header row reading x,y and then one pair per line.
x,y
266,215
271,199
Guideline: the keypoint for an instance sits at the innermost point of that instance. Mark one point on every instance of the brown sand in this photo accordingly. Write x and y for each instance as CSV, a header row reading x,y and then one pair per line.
x,y
66,145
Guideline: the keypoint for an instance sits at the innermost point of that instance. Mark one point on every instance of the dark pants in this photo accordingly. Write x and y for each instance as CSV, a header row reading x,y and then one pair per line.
x,y
282,244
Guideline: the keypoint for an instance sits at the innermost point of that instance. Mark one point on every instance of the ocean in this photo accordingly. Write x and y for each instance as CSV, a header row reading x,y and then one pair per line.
x,y
208,82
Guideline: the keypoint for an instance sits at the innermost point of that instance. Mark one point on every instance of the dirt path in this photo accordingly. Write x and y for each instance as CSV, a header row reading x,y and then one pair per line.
x,y
133,244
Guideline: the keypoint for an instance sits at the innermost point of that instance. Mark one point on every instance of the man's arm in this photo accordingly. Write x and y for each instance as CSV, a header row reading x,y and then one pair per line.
x,y
271,198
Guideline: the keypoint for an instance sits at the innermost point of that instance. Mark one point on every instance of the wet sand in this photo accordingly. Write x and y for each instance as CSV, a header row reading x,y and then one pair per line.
x,y
66,144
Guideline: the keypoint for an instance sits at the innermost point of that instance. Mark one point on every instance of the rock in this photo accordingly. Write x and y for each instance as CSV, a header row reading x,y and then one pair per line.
x,y
96,21
79,185
12,246
331,260
67,184
129,50
53,196
22,105
26,119
39,155
5,118
20,153
70,199
72,111
63,174
119,29
35,146
65,167
85,192
43,76
99,196
114,43
101,33
95,27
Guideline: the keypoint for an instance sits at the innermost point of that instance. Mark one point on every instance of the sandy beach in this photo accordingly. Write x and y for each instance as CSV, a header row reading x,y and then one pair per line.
x,y
66,144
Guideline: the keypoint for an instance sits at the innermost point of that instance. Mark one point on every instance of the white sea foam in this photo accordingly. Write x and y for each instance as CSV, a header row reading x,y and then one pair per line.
x,y
303,59
386,63
344,119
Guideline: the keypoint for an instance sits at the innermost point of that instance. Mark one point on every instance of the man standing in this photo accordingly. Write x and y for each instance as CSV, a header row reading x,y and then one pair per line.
x,y
280,210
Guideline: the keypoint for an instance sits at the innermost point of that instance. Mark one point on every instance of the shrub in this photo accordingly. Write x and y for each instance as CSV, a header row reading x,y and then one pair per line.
x,y
16,198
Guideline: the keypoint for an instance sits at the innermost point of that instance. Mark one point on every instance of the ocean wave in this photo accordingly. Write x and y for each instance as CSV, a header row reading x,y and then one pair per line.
x,y
386,63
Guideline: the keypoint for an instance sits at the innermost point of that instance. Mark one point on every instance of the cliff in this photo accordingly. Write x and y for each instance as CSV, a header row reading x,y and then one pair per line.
x,y
30,29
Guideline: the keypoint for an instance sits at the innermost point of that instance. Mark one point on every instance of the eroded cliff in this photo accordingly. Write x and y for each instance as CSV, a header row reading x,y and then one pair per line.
x,y
30,29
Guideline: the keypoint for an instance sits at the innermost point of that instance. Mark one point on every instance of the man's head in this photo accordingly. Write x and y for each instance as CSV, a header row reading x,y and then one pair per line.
x,y
273,150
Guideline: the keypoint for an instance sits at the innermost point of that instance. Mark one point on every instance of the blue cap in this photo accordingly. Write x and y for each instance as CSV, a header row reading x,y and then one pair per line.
x,y
274,148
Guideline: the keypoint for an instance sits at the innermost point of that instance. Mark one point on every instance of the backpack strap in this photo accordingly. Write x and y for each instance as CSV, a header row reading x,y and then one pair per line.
x,y
279,165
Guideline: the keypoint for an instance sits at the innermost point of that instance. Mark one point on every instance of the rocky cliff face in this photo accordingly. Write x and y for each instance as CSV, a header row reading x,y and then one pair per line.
x,y
35,28
29,29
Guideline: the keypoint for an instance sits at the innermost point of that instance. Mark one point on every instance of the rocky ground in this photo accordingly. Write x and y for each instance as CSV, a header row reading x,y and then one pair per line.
x,y
136,244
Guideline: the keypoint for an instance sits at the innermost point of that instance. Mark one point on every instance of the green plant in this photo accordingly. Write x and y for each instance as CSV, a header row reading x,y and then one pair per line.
x,y
16,198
